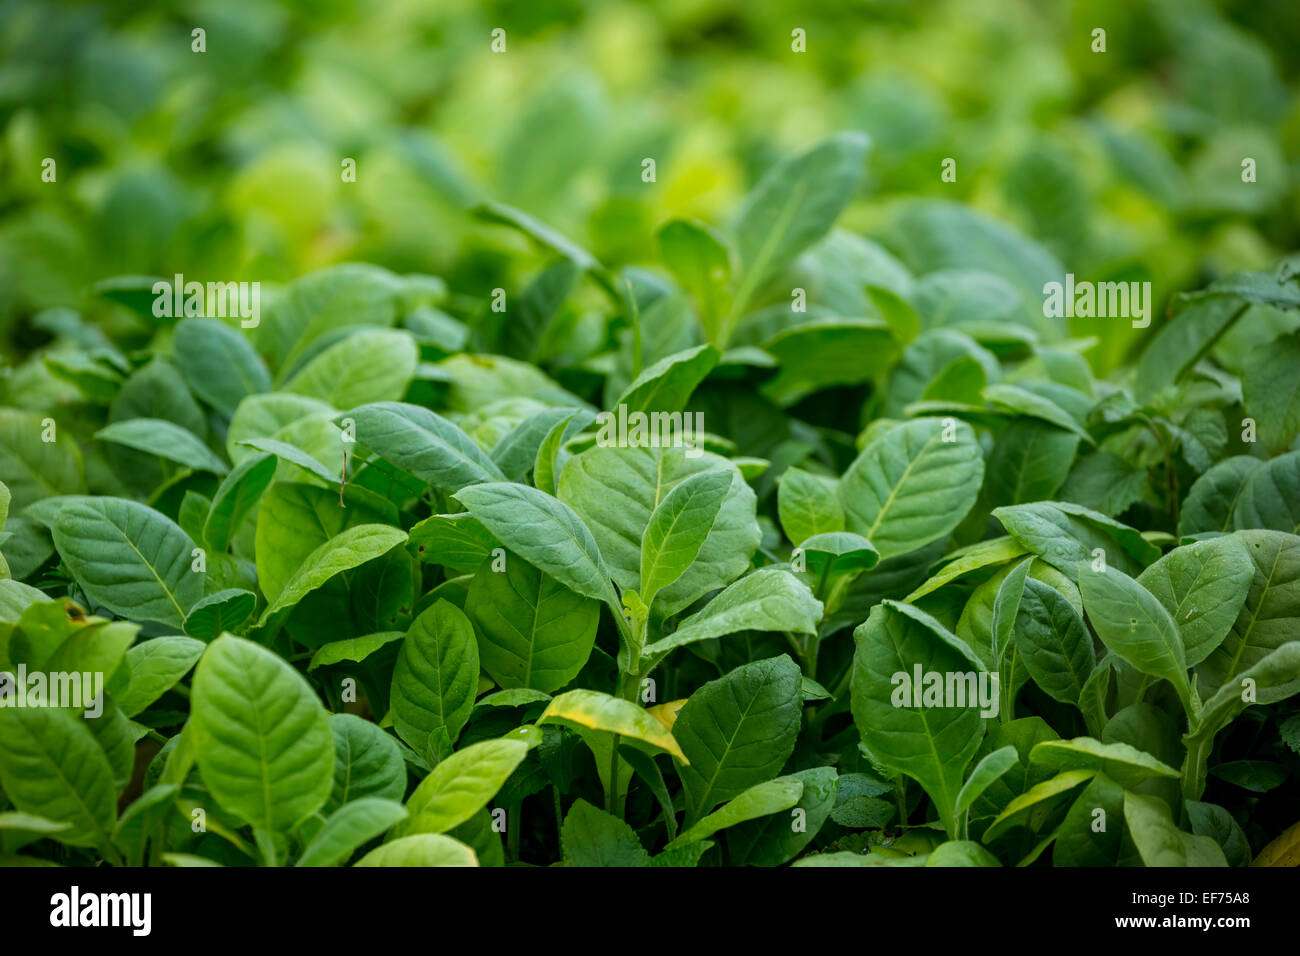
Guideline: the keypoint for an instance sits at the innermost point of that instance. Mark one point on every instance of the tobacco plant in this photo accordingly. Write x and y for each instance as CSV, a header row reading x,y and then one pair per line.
x,y
410,575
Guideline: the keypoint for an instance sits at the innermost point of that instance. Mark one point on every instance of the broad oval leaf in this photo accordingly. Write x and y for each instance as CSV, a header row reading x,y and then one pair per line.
x,y
346,550
769,599
435,679
348,827
261,736
1203,586
678,528
128,557
737,731
1132,623
461,785
218,363
164,439
424,444
546,532
52,766
533,631
910,486
593,710
900,723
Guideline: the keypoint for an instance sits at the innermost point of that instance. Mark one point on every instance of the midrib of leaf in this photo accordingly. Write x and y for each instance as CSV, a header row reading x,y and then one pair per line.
x,y
893,492
717,767
1245,637
68,785
755,270
161,583
663,538
949,799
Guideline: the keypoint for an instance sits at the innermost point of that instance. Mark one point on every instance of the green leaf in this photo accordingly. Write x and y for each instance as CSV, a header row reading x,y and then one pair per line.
x,y
827,351
516,452
155,667
461,785
236,497
1270,497
760,800
262,737
533,631
774,840
1213,497
984,774
807,505
1029,462
293,455
1064,534
545,532
422,849
1274,676
1053,642
435,680
32,467
422,443
1203,586
737,731
1270,615
52,766
931,744
538,305
164,439
218,363
350,826
666,386
678,528
1106,483
1270,383
698,257
961,853
1159,842
346,550
836,553
616,490
1132,623
980,555
551,455
459,541
352,649
370,365
592,837
910,487
769,599
593,710
794,204
129,558
1029,809
1180,343
1079,842
229,609
1213,821
367,762
1126,765
1020,401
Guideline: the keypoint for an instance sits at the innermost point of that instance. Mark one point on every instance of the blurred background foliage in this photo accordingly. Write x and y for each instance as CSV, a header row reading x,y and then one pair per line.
x,y
226,164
